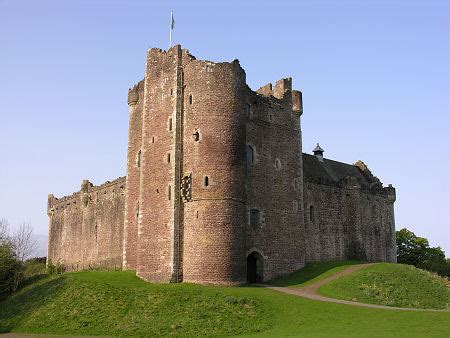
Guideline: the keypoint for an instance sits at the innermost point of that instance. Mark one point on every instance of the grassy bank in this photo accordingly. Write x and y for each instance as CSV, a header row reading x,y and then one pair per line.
x,y
393,285
120,304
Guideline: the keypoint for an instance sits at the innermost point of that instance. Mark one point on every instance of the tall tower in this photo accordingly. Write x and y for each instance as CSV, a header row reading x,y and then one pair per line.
x,y
188,218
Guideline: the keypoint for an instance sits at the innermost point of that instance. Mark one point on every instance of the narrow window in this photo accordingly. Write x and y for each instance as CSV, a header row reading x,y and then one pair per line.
x,y
248,110
196,214
270,117
138,159
171,92
190,99
196,135
170,192
206,181
311,213
137,209
250,155
278,163
296,185
168,157
254,218
170,124
153,139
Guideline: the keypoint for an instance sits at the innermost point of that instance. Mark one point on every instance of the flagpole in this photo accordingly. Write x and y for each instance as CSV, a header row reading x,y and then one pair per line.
x,y
170,29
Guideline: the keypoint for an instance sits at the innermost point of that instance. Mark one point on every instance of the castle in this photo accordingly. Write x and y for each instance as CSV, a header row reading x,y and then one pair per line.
x,y
217,187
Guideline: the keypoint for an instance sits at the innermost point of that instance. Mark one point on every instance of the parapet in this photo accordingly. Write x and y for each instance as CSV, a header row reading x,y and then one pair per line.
x,y
133,93
281,91
390,191
281,87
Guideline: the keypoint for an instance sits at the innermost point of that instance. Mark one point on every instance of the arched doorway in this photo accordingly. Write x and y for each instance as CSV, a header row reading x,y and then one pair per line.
x,y
255,267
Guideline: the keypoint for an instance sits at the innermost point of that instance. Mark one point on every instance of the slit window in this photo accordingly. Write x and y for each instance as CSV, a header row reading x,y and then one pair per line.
x,y
168,157
250,155
311,213
248,110
206,181
254,218
169,193
138,159
190,99
170,124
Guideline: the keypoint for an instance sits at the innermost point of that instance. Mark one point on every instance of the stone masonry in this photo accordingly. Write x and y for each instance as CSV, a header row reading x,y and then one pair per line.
x,y
218,190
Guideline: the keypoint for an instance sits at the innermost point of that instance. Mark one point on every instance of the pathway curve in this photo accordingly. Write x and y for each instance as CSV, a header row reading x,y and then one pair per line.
x,y
310,291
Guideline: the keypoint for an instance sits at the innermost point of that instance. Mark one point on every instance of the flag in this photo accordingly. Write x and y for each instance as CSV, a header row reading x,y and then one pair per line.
x,y
172,21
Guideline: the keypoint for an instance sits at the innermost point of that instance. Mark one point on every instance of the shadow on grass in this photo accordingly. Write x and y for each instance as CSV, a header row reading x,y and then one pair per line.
x,y
31,280
19,306
311,271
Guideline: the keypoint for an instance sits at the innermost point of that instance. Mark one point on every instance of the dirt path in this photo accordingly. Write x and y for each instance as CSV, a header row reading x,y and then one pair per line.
x,y
310,291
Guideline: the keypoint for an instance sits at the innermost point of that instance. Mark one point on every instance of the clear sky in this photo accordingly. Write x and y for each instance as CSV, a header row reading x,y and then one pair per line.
x,y
375,77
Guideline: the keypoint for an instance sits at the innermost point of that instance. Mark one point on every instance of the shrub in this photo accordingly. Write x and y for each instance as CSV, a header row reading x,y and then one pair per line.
x,y
10,270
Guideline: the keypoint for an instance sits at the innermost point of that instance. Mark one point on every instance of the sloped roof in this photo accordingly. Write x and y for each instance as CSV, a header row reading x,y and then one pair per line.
x,y
330,171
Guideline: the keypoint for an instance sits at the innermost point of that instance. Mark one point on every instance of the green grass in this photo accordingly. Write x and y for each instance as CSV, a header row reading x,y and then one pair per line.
x,y
313,272
393,285
120,304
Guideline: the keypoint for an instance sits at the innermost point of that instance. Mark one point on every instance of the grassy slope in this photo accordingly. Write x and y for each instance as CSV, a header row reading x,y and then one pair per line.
x,y
392,285
118,303
313,272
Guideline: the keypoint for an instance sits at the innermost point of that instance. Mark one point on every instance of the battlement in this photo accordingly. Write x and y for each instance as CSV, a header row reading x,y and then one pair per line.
x,y
55,203
283,91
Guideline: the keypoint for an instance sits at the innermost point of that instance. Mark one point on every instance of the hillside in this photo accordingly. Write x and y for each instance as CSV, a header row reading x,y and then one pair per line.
x,y
120,304
392,285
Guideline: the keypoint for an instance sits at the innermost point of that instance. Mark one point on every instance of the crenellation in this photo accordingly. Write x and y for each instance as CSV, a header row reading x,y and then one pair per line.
x,y
218,190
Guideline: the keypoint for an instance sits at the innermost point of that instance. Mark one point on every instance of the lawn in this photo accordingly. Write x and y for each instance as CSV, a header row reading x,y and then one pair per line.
x,y
120,304
313,272
393,285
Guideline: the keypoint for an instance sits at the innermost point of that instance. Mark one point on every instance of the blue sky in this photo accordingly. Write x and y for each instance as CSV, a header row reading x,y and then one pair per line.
x,y
375,77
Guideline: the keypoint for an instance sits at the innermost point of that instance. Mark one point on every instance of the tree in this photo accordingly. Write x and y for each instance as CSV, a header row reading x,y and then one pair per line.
x,y
14,250
23,243
416,251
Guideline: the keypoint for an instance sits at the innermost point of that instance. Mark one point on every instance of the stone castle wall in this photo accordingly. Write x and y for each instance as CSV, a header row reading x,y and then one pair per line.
x,y
134,162
217,182
274,180
347,220
86,228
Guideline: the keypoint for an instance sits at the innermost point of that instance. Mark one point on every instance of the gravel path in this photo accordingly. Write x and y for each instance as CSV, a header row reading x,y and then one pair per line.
x,y
310,291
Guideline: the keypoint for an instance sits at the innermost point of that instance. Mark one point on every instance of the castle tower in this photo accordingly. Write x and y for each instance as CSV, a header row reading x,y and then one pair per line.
x,y
188,219
134,161
214,159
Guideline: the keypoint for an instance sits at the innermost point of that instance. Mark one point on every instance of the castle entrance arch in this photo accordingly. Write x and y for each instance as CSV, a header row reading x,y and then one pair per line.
x,y
255,267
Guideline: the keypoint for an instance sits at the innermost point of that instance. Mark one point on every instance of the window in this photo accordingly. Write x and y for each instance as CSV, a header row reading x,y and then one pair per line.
x,y
170,124
171,92
138,159
206,181
153,139
296,184
168,157
190,98
295,205
196,135
278,164
254,218
250,155
170,193
248,111
311,213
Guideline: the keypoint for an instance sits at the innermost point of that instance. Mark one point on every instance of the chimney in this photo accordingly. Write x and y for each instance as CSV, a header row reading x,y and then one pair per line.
x,y
318,152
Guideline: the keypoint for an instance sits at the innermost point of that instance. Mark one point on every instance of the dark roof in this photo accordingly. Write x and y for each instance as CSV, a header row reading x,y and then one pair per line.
x,y
330,171
318,148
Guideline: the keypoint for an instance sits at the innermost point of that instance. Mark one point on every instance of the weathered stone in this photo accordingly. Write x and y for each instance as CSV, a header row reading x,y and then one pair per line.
x,y
217,190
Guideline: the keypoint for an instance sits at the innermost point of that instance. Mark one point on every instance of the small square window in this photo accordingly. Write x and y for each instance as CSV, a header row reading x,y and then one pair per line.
x,y
254,218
